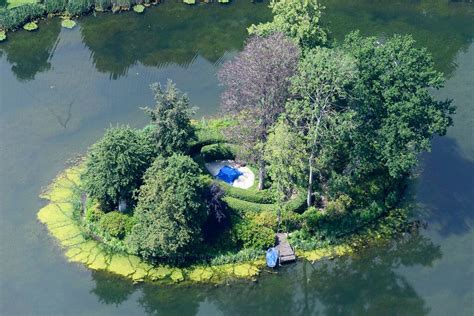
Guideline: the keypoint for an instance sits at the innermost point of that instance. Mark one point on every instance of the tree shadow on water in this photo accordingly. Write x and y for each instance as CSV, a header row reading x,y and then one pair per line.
x,y
368,284
111,289
446,187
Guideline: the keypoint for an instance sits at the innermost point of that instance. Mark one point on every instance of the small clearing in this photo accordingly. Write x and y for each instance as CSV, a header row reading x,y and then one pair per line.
x,y
245,181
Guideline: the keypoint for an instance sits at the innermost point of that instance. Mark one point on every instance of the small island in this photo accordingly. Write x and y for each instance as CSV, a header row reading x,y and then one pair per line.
x,y
317,141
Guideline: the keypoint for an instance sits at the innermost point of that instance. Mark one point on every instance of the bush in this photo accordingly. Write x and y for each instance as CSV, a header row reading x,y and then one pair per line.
x,y
339,207
291,221
93,214
79,7
253,235
16,17
54,6
116,224
102,5
217,152
122,4
297,204
243,207
243,255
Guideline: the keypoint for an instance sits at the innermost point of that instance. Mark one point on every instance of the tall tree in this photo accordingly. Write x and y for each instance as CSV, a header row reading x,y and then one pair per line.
x,y
284,152
170,209
397,114
297,19
256,88
319,86
171,118
115,166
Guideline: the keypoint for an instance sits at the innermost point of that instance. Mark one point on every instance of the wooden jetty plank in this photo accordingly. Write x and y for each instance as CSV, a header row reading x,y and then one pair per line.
x,y
285,251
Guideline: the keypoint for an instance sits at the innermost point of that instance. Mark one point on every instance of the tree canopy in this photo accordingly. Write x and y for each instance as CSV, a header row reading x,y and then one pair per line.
x,y
256,85
171,118
115,165
397,114
297,19
319,86
170,209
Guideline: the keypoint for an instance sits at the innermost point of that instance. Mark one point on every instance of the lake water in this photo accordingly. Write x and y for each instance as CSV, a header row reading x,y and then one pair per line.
x,y
59,90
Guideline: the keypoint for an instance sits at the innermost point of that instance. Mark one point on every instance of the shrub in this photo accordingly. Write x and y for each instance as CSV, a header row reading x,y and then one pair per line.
x,y
243,255
93,214
253,235
243,207
297,204
311,219
102,5
79,7
339,207
217,152
16,17
53,6
116,224
291,221
122,4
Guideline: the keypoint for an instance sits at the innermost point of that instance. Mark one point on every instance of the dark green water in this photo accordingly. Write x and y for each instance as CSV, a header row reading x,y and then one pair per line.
x,y
60,88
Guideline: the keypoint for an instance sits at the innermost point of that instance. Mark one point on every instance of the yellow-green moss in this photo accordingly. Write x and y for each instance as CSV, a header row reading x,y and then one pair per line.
x,y
58,216
325,253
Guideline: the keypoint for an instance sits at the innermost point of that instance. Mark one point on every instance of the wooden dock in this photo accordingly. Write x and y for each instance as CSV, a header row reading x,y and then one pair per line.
x,y
286,253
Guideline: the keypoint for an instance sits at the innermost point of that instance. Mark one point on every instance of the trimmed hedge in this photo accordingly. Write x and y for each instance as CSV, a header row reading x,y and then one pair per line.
x,y
297,205
242,207
249,195
217,152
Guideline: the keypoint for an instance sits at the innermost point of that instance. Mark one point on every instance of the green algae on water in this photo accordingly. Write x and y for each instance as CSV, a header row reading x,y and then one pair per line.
x,y
30,26
63,224
139,8
68,23
3,36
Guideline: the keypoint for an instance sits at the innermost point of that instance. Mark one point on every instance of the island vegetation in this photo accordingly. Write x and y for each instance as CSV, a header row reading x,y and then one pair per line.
x,y
26,13
332,130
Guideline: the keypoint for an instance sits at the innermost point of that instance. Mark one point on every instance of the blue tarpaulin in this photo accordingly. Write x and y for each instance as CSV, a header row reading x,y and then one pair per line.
x,y
272,257
228,174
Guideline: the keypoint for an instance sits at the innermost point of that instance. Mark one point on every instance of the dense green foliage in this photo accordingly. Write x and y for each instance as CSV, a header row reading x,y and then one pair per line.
x,y
397,115
217,152
171,118
115,166
249,195
298,19
284,153
345,124
116,224
18,16
170,210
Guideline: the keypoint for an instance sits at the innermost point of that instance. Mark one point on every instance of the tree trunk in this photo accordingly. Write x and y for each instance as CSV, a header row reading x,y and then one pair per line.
x,y
309,198
261,174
